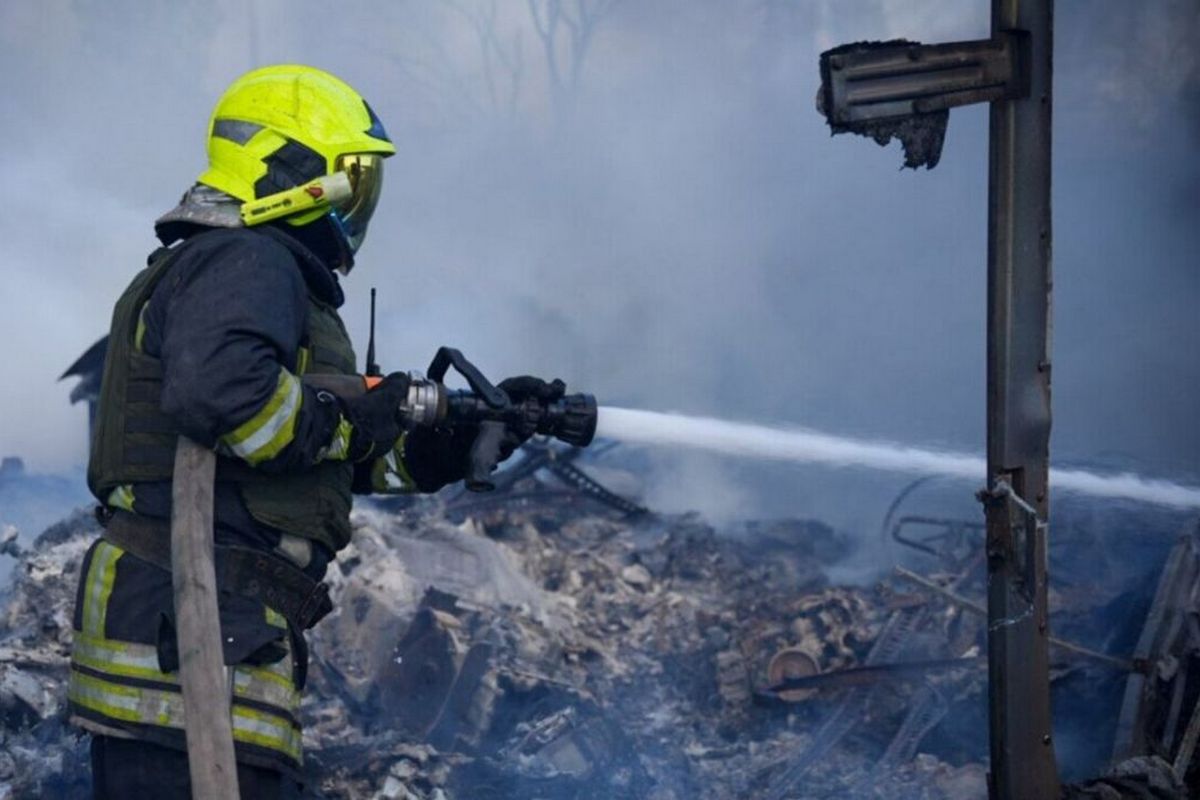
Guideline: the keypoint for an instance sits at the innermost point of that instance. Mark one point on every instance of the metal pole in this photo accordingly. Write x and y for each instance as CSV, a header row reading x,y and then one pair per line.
x,y
1018,418
206,691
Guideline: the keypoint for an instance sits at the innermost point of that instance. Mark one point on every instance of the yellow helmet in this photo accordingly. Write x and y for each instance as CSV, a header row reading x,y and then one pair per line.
x,y
278,127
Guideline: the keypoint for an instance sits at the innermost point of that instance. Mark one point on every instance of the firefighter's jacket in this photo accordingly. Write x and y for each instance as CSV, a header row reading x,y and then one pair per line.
x,y
211,341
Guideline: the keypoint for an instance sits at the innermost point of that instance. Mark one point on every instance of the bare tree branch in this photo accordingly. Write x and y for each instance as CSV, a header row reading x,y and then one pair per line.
x,y
497,57
547,31
579,19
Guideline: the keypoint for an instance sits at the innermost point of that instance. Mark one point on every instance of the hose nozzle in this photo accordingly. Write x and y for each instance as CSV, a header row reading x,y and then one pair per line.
x,y
570,419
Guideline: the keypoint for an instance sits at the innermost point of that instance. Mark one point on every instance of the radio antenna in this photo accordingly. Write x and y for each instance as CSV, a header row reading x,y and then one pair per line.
x,y
372,367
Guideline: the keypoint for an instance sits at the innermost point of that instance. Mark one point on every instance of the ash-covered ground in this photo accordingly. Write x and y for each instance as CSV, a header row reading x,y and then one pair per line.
x,y
553,641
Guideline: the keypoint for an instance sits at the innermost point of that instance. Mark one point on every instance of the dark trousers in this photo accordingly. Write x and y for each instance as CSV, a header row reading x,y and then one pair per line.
x,y
125,769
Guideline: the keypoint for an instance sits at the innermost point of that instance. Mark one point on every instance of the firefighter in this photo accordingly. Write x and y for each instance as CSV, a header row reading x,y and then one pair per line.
x,y
212,341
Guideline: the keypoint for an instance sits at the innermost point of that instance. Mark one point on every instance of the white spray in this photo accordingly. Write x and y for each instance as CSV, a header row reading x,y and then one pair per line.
x,y
799,445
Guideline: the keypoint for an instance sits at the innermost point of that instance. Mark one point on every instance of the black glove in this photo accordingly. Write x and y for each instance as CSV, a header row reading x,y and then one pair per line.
x,y
375,416
437,457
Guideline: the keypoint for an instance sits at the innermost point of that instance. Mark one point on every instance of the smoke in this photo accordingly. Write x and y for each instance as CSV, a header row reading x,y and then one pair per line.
x,y
675,229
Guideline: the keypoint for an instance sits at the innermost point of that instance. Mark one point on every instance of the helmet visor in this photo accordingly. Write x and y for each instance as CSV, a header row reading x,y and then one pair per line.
x,y
366,181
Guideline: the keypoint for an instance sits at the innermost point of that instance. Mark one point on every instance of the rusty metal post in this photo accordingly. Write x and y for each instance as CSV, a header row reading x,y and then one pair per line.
x,y
1018,418
206,689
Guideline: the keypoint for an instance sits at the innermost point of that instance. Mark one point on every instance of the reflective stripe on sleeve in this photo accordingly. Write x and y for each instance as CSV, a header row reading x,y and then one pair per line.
x,y
270,430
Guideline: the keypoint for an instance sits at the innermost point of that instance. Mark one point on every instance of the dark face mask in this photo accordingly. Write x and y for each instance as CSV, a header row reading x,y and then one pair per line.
x,y
324,238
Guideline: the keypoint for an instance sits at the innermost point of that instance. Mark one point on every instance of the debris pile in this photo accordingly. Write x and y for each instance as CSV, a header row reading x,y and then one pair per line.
x,y
554,640
29,503
40,755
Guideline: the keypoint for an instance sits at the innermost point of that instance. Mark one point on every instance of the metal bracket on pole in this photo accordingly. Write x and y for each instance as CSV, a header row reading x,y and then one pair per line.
x,y
905,89
869,81
1017,540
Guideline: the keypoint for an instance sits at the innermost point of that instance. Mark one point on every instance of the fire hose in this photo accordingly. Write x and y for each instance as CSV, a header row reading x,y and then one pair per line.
x,y
202,674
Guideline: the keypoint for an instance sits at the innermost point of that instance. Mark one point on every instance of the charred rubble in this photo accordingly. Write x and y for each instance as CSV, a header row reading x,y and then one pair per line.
x,y
556,640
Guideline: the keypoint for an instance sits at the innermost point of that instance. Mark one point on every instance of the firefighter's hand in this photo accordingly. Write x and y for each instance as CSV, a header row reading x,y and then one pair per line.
x,y
375,417
436,457
522,387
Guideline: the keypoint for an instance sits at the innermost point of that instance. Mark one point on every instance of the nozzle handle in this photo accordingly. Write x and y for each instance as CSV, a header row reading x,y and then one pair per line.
x,y
484,455
447,357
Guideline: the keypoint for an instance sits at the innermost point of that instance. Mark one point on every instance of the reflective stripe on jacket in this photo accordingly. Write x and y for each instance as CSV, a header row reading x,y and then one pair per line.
x,y
210,340
119,687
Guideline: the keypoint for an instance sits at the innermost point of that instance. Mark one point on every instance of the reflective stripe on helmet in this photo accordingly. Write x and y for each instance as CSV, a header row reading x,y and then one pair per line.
x,y
234,130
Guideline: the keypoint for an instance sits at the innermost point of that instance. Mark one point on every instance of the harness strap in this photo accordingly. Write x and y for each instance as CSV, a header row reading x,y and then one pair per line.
x,y
240,570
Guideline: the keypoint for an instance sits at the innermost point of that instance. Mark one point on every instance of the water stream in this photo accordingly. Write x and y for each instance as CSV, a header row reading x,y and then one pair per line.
x,y
804,446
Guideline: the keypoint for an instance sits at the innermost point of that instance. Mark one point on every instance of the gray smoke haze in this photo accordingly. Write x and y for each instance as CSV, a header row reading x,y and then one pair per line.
x,y
675,230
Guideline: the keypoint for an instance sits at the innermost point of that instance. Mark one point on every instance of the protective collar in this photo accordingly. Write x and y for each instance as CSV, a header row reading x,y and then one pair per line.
x,y
203,207
200,207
